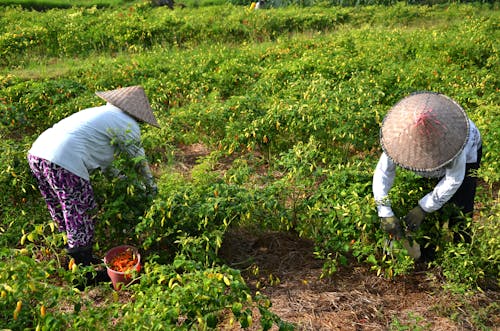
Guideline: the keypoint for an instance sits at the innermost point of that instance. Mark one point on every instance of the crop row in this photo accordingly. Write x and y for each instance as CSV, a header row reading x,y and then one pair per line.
x,y
80,32
288,104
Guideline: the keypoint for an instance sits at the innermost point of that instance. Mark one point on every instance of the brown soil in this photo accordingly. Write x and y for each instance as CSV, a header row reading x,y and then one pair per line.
x,y
282,267
188,155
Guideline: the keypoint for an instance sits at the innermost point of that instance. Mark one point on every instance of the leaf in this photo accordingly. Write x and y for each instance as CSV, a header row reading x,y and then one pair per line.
x,y
236,308
23,239
8,288
31,237
371,259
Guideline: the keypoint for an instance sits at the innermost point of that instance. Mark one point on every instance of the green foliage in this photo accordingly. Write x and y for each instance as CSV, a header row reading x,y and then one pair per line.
x,y
465,266
19,204
350,3
416,323
29,295
44,104
192,216
83,31
288,102
122,198
187,295
43,5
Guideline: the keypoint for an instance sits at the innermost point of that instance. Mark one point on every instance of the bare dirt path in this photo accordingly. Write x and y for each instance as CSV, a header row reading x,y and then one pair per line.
x,y
282,266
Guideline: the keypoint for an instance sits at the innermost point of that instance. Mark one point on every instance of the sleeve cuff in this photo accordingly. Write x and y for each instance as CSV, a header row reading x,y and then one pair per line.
x,y
428,205
385,211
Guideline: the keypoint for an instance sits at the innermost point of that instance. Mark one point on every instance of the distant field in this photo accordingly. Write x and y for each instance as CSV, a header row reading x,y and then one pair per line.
x,y
48,4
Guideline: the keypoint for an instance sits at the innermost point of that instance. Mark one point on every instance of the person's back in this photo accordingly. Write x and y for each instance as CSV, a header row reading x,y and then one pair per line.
x,y
83,141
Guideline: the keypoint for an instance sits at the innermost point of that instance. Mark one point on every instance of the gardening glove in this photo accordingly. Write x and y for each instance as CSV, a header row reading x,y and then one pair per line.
x,y
415,218
151,189
413,248
112,172
392,225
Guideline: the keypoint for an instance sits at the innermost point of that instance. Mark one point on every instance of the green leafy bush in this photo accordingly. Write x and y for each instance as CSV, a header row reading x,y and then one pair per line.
x,y
287,104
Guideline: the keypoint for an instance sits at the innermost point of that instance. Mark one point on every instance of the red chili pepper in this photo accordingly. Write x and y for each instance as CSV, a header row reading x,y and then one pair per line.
x,y
124,261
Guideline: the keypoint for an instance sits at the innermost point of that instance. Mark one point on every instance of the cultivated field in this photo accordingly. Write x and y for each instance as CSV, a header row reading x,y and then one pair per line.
x,y
269,133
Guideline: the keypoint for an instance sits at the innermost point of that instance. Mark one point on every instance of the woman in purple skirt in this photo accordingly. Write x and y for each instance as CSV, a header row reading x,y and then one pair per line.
x,y
63,155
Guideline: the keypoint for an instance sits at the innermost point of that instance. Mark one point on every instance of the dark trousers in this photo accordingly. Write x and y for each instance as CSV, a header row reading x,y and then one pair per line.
x,y
464,197
458,208
464,200
461,204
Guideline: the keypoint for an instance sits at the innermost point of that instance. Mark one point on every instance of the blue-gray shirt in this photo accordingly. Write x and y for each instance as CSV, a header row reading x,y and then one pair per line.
x,y
89,139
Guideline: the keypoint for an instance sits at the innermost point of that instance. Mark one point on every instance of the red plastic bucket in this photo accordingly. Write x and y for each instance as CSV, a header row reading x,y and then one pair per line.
x,y
122,274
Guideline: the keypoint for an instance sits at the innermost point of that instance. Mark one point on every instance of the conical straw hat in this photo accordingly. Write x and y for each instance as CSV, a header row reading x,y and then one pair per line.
x,y
133,101
424,131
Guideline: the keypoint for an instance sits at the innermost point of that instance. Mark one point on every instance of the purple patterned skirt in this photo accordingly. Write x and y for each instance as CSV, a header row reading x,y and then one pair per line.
x,y
69,198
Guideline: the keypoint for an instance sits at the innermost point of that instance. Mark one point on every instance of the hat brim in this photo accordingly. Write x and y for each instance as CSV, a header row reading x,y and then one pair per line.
x,y
133,101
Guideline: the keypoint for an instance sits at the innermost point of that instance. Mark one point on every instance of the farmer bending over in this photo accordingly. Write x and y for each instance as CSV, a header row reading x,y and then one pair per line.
x,y
430,134
62,157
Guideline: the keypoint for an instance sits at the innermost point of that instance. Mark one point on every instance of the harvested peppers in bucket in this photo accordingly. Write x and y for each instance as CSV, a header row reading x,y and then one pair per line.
x,y
121,263
124,261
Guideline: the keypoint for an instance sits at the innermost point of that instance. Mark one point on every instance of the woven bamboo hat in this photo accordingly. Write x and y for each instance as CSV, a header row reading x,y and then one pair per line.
x,y
133,101
424,131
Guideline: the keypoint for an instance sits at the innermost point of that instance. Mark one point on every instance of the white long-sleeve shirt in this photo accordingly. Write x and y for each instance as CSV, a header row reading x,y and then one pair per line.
x,y
453,175
89,139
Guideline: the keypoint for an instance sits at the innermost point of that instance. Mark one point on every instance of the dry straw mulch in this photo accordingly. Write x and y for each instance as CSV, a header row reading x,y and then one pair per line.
x,y
282,266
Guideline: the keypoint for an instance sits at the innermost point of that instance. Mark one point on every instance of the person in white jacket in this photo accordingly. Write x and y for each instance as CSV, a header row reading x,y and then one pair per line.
x,y
62,157
430,134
